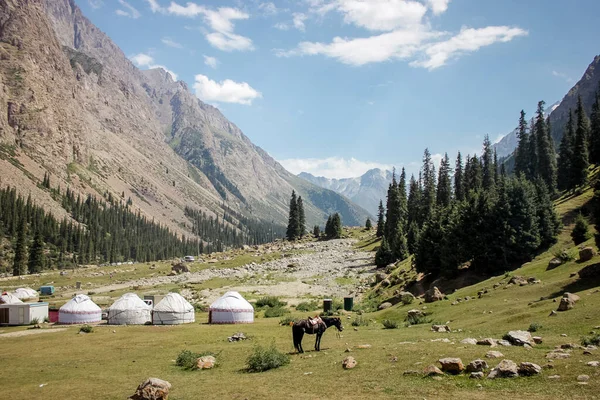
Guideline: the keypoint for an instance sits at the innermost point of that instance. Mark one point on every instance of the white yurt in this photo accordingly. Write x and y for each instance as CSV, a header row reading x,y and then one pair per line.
x,y
9,298
79,310
173,310
129,309
26,294
231,308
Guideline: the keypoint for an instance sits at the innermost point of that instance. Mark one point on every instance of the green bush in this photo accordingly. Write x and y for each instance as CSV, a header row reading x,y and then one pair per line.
x,y
580,232
199,307
389,324
86,328
593,340
307,306
276,312
563,256
187,358
270,301
286,321
266,358
534,327
360,321
417,320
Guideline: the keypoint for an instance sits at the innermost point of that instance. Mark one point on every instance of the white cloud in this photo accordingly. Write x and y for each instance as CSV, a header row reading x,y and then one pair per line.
x,y
298,21
220,21
332,167
562,75
370,102
468,40
382,15
211,61
129,11
226,91
171,43
155,7
95,4
282,26
268,8
438,6
142,60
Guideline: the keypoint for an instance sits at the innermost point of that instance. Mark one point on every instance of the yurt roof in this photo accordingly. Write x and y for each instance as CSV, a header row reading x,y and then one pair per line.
x,y
173,302
129,301
232,301
9,298
80,303
26,293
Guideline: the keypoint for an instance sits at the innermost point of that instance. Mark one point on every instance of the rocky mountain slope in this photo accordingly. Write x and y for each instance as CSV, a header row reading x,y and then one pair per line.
x,y
365,190
72,104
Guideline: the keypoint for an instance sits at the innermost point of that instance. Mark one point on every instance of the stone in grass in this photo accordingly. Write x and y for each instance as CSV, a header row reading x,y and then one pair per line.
x,y
349,362
472,341
477,366
493,354
557,355
593,364
487,342
519,338
152,389
529,369
206,362
537,339
440,328
433,294
554,377
476,375
506,369
432,370
452,365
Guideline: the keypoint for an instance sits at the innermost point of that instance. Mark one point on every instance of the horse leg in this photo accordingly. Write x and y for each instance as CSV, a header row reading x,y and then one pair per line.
x,y
300,336
318,342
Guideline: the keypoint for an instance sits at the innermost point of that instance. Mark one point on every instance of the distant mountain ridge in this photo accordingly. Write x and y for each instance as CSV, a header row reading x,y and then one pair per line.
x,y
365,190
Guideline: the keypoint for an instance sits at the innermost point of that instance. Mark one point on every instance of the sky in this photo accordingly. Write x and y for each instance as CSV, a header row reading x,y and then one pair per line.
x,y
336,87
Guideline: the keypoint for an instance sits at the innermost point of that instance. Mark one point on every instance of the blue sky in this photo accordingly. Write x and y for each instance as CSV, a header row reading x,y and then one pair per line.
x,y
335,87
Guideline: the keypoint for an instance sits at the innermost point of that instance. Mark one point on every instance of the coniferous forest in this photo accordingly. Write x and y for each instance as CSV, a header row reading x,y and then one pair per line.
x,y
478,215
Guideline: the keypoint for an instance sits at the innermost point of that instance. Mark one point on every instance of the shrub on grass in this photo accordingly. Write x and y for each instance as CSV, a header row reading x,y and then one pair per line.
x,y
285,321
307,306
580,232
266,358
360,321
417,320
534,327
187,358
563,256
86,328
593,340
270,301
276,312
389,324
199,307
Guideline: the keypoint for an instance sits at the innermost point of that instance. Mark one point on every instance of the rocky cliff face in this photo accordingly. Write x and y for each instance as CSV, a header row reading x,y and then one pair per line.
x,y
72,104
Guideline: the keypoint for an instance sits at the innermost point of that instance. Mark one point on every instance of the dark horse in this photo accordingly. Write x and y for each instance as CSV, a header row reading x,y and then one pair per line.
x,y
305,326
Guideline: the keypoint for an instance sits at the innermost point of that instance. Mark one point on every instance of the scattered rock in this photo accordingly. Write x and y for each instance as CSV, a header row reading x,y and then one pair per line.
x,y
477,366
586,254
236,337
476,375
554,377
452,365
554,263
363,346
583,378
206,362
433,294
593,364
553,313
503,342
410,372
529,369
349,362
380,277
537,339
415,313
557,355
506,369
152,389
469,341
493,354
440,328
179,268
517,280
406,297
432,370
348,350
519,338
487,342
384,306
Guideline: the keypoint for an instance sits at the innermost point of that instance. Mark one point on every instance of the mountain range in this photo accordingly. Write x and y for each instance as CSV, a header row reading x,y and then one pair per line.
x,y
74,106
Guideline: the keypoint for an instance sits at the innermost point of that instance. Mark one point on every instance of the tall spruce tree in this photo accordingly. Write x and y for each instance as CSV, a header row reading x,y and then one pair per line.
x,y
532,153
487,159
565,156
429,185
595,129
459,192
580,160
293,219
414,201
473,174
20,259
380,220
37,260
392,215
522,161
301,218
402,200
412,237
444,188
546,156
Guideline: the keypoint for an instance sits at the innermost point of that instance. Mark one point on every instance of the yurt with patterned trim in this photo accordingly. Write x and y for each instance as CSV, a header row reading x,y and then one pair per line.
x,y
9,298
26,294
231,308
79,310
129,309
173,310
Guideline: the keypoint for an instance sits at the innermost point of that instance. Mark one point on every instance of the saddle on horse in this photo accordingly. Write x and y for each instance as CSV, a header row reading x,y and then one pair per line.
x,y
314,322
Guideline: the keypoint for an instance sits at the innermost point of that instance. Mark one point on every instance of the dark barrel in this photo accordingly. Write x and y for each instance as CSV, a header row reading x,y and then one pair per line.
x,y
327,305
348,303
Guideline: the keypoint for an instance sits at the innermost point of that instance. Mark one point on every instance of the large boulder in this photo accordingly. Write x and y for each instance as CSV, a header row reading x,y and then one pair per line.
x,y
591,271
432,370
529,369
433,294
506,369
179,268
152,389
385,305
477,366
452,365
406,297
554,263
586,254
518,280
414,313
206,362
520,338
380,277
472,341
487,342
494,354
567,302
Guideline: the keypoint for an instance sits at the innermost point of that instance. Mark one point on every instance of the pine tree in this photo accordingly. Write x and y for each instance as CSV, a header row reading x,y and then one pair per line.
x,y
384,255
380,220
301,218
333,227
293,219
580,163
392,215
429,185
532,153
316,231
522,161
459,193
37,260
20,260
487,160
399,246
368,224
414,201
412,237
595,129
444,188
580,232
473,175
546,156
402,200
565,156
